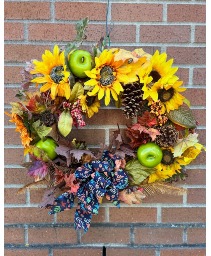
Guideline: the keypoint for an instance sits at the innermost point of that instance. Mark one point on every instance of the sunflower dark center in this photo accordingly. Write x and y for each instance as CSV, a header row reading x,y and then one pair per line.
x,y
165,95
106,76
155,76
168,157
90,100
56,74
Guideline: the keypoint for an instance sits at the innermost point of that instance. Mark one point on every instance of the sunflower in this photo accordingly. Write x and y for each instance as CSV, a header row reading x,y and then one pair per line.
x,y
52,73
108,74
25,138
171,165
90,104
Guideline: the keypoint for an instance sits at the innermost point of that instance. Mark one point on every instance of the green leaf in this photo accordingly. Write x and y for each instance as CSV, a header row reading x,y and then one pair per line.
x,y
41,129
183,117
137,172
80,36
76,91
65,123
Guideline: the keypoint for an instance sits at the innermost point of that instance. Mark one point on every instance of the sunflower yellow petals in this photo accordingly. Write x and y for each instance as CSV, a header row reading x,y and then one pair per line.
x,y
39,80
101,93
91,82
107,97
94,91
45,87
117,87
90,74
54,90
114,95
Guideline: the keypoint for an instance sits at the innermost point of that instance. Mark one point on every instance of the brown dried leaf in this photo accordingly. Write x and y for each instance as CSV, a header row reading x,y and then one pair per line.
x,y
161,188
33,185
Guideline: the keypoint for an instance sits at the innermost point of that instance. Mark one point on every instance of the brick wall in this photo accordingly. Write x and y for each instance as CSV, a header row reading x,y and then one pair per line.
x,y
161,226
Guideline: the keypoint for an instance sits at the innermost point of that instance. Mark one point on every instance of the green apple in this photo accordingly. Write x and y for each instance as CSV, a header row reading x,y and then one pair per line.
x,y
48,146
149,154
80,61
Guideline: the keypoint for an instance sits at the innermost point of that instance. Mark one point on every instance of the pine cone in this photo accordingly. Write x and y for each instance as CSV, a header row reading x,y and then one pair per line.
x,y
131,99
168,137
47,118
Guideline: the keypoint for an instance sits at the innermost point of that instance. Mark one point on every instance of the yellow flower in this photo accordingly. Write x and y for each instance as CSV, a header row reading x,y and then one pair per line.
x,y
190,154
108,75
169,94
90,104
25,139
160,83
170,165
52,73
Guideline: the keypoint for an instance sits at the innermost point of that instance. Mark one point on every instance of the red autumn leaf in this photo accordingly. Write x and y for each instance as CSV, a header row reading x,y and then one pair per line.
x,y
71,182
131,197
147,119
136,138
152,133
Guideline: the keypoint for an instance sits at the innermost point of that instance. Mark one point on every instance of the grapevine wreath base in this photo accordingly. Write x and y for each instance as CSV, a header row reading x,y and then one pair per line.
x,y
69,84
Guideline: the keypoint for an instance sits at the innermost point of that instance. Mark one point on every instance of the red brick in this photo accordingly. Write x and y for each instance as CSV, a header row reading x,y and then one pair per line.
x,y
119,33
24,53
28,252
199,76
12,75
52,235
13,31
16,176
13,156
164,199
11,137
26,215
196,235
183,252
123,33
36,195
201,158
187,55
27,10
202,139
196,196
158,235
13,235
164,34
129,252
77,11
200,34
197,97
77,252
9,94
196,177
186,13
112,117
199,115
183,74
51,32
127,214
193,214
136,12
11,196
106,235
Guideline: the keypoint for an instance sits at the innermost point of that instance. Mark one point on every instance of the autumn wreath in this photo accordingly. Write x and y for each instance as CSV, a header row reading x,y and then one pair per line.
x,y
70,83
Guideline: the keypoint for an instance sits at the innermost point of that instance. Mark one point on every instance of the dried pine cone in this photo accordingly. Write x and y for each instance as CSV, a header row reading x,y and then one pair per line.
x,y
47,118
132,98
168,137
